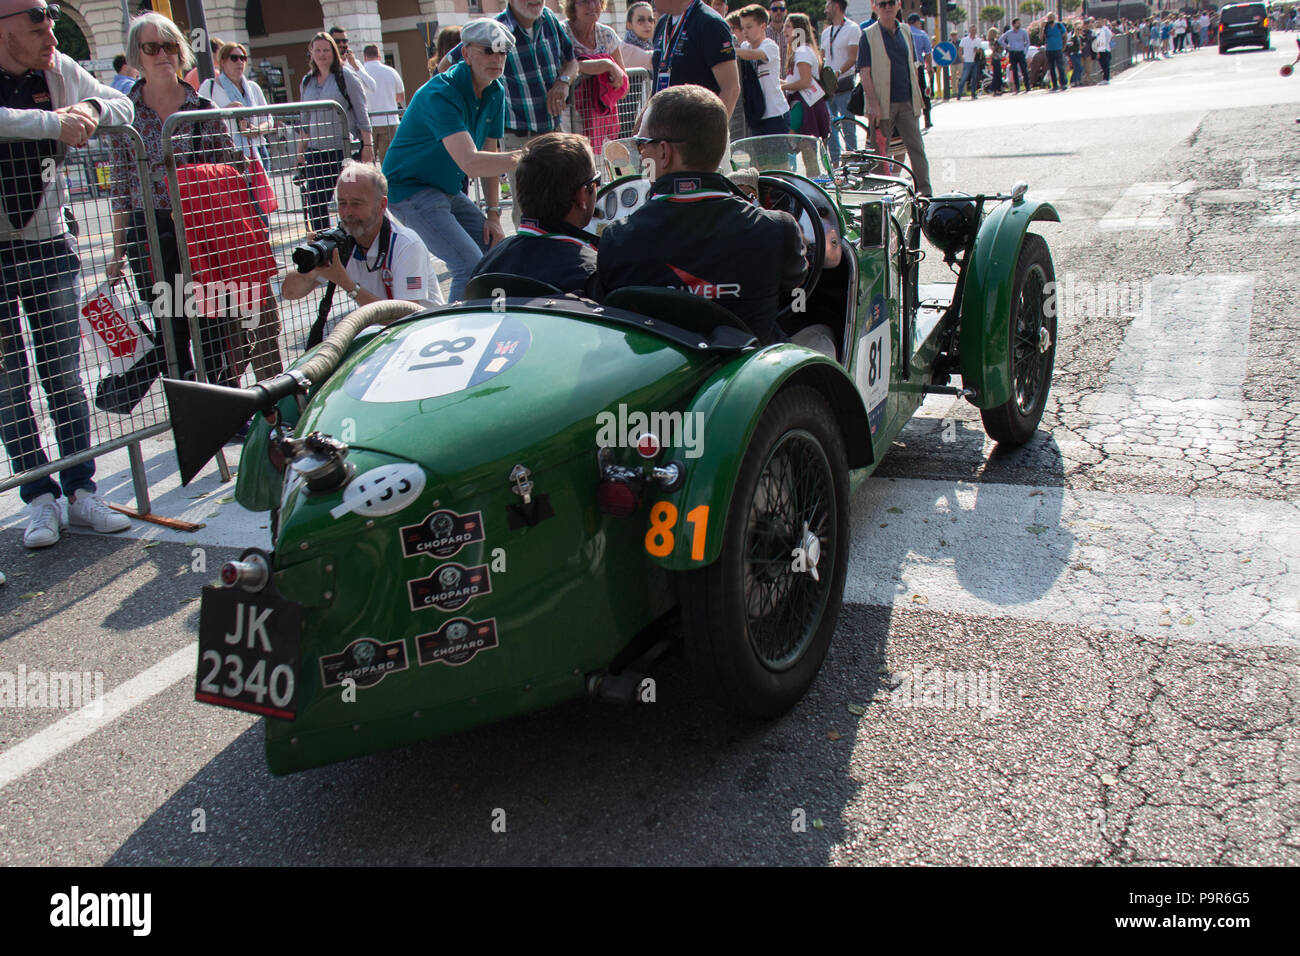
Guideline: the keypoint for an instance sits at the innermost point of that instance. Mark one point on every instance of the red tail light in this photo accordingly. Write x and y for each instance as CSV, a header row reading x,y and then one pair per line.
x,y
617,497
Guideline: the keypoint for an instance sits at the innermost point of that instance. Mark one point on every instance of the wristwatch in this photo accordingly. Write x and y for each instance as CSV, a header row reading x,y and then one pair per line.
x,y
352,293
565,79
491,208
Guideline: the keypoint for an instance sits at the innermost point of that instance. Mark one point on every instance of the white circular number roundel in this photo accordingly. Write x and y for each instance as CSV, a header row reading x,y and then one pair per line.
x,y
441,358
382,491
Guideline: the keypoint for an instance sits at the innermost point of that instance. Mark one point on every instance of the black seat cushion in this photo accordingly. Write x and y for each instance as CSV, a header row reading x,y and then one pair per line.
x,y
486,286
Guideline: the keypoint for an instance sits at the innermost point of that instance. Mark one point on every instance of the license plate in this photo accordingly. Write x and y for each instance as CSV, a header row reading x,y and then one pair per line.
x,y
249,645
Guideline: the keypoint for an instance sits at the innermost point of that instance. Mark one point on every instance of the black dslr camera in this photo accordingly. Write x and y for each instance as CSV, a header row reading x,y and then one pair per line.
x,y
316,252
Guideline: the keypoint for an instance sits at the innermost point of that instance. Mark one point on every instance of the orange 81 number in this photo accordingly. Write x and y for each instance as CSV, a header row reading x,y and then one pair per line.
x,y
659,538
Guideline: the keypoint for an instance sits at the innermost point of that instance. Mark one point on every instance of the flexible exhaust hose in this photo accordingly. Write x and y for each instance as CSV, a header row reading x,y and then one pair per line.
x,y
331,351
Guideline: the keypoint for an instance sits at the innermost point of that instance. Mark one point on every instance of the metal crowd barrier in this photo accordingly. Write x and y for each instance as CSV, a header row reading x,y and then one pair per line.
x,y
106,334
236,227
585,117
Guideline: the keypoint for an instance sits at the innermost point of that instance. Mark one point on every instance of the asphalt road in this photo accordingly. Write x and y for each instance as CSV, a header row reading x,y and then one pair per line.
x,y
1083,652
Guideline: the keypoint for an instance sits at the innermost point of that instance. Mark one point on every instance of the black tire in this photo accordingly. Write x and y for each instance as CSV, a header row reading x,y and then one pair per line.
x,y
757,630
1032,332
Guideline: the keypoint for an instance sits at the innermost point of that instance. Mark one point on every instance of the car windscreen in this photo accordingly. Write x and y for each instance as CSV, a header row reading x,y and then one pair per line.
x,y
1244,13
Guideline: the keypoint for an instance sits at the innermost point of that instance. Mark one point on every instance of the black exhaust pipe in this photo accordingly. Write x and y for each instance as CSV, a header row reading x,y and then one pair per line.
x,y
204,417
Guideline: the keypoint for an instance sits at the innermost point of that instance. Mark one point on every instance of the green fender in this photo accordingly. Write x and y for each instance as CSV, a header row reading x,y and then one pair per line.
x,y
730,405
984,342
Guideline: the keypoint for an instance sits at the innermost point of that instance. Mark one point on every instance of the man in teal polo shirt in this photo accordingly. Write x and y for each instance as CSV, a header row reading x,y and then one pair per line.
x,y
452,130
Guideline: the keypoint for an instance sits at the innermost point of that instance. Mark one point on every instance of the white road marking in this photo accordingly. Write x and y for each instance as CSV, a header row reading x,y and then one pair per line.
x,y
1191,568
44,745
1147,206
1176,382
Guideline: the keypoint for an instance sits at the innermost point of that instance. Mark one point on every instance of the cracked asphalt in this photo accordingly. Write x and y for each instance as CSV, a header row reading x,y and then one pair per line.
x,y
1081,653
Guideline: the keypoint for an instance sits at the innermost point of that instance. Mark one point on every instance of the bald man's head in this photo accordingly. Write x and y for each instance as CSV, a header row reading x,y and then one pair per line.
x,y
25,44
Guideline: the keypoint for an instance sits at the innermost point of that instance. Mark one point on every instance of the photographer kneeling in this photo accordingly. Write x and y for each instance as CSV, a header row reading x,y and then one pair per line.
x,y
370,256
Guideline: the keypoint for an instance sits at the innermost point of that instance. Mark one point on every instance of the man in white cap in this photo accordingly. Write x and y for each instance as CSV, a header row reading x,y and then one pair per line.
x,y
452,130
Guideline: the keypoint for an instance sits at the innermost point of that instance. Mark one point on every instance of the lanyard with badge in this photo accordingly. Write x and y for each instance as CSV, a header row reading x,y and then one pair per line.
x,y
669,50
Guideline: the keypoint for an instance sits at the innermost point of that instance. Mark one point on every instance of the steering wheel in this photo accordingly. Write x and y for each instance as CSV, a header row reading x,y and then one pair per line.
x,y
777,192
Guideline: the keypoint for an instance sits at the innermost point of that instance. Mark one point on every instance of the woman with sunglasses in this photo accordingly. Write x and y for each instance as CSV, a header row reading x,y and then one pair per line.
x,y
638,38
160,51
321,152
231,88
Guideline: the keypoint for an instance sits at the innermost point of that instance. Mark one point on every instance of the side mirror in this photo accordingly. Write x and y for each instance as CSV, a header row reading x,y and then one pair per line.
x,y
1018,192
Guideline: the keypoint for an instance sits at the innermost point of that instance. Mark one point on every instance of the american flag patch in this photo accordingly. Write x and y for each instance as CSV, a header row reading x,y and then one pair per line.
x,y
413,283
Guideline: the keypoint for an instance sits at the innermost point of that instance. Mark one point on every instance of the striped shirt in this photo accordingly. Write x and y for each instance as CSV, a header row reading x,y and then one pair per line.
x,y
532,69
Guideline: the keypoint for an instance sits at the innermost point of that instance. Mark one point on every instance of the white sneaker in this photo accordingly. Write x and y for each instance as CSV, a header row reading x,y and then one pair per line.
x,y
43,525
89,511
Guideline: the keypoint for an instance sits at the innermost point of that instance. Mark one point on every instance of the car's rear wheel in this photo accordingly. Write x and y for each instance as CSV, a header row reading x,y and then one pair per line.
x,y
759,620
1032,347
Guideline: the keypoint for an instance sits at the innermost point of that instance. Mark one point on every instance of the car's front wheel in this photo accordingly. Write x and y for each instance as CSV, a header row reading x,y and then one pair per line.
x,y
1032,346
759,620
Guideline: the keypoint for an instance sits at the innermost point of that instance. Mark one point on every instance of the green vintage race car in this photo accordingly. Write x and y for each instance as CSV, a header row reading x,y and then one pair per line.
x,y
487,508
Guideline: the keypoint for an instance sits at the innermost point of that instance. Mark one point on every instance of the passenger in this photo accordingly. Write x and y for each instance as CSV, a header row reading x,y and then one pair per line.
x,y
695,232
558,180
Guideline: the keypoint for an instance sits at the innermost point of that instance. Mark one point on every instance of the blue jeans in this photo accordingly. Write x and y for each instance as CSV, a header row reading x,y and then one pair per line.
x,y
840,108
773,126
1076,69
1056,68
451,226
42,276
968,77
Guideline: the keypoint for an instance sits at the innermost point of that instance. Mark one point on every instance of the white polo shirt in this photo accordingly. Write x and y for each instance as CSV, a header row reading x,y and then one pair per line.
x,y
388,83
407,272
836,42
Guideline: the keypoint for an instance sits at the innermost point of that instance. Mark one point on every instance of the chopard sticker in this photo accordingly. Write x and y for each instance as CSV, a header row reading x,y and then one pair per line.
x,y
686,185
450,587
457,641
365,661
441,534
381,491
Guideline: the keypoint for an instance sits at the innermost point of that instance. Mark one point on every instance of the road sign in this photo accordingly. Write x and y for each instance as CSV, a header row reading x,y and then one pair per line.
x,y
945,53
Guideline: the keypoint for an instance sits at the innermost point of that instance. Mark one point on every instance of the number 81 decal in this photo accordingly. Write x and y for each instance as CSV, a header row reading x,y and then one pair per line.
x,y
659,538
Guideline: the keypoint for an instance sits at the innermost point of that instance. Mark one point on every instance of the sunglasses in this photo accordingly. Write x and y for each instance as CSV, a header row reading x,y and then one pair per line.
x,y
777,9
341,43
38,14
593,182
886,3
170,47
238,57
647,140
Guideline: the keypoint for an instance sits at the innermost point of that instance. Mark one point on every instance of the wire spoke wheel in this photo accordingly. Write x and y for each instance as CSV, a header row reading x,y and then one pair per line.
x,y
1031,352
759,619
784,603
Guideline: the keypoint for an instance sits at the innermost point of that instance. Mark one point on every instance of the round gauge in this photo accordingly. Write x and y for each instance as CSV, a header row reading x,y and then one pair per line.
x,y
628,196
611,205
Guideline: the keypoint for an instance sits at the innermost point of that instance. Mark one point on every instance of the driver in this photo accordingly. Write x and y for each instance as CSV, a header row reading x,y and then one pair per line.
x,y
695,232
557,181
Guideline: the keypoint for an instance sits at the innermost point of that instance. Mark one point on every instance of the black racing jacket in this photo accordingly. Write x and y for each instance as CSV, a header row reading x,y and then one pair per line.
x,y
695,234
553,252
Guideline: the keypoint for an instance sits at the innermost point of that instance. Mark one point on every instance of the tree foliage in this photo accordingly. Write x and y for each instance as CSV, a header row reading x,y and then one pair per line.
x,y
992,14
1032,7
1069,6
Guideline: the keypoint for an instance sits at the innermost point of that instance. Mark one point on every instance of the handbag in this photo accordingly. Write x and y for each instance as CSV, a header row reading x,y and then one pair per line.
x,y
114,328
829,80
857,104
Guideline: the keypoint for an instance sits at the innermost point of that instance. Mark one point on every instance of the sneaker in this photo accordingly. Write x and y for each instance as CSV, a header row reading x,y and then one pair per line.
x,y
43,525
2,577
88,510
